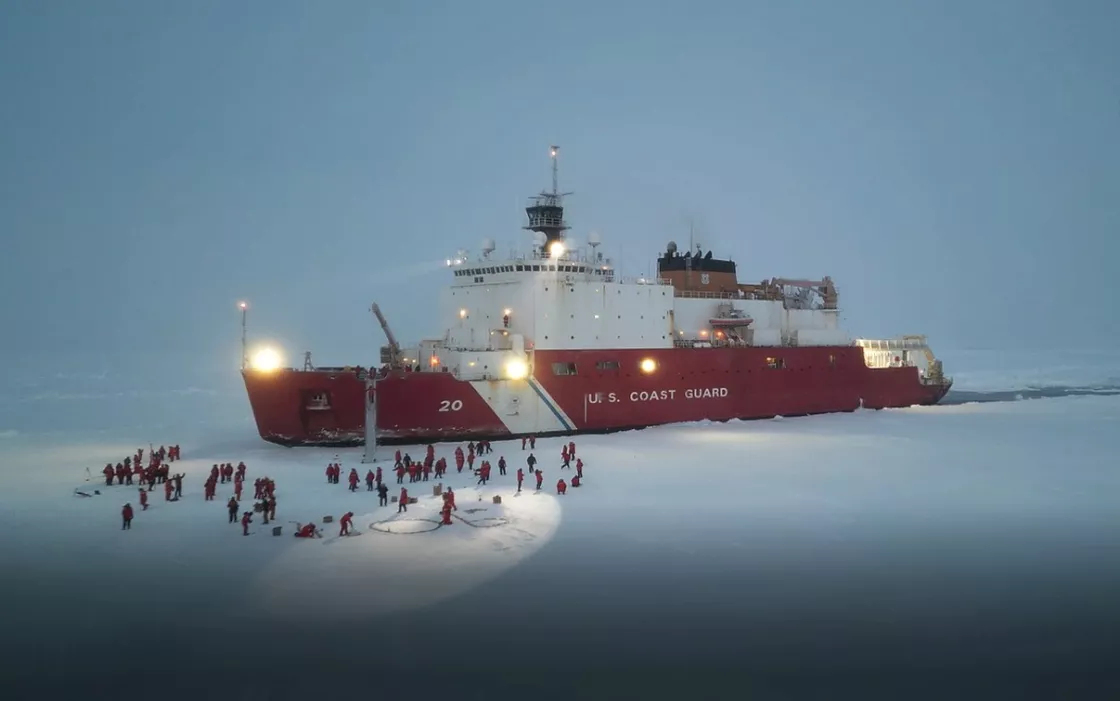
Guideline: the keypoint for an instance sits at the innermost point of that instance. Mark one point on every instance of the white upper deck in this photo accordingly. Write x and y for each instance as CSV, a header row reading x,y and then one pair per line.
x,y
571,299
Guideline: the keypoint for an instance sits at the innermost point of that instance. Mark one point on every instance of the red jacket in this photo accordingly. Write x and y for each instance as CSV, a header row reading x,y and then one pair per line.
x,y
126,512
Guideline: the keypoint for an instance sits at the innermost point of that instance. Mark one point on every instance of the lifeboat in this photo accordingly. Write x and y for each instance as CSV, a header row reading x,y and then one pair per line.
x,y
730,322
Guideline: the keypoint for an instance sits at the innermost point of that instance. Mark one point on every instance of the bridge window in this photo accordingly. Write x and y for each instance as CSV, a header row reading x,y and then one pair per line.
x,y
563,368
775,363
606,365
536,268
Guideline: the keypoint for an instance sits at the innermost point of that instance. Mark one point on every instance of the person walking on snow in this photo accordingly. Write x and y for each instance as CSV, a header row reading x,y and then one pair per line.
x,y
531,461
344,523
126,517
233,507
246,519
382,494
143,499
402,505
520,479
540,479
501,465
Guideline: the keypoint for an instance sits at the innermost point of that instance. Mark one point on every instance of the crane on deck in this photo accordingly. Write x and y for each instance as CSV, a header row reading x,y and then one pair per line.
x,y
390,354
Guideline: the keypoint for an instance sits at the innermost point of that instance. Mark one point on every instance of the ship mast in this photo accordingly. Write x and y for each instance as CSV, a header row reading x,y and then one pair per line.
x,y
546,213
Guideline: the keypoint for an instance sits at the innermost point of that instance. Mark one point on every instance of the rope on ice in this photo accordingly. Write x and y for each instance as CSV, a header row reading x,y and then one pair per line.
x,y
484,522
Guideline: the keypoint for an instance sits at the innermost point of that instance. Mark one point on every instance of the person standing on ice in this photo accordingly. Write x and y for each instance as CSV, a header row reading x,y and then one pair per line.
x,y
565,458
540,479
470,460
561,487
501,465
369,480
572,450
397,458
579,467
524,440
238,484
246,519
354,479
531,461
344,523
520,479
399,469
233,506
575,481
458,460
330,474
450,498
126,517
402,505
167,489
143,499
532,442
108,472
179,485
378,475
382,494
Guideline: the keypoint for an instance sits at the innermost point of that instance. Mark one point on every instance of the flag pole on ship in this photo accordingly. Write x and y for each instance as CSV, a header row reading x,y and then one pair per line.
x,y
244,307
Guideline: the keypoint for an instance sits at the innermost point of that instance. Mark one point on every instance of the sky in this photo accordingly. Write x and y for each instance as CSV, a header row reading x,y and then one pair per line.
x,y
954,166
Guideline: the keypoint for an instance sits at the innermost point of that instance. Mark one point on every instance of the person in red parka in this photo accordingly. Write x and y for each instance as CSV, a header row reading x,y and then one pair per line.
x,y
306,531
520,479
451,499
167,488
246,519
345,522
143,499
402,505
579,467
575,481
445,513
354,479
108,472
561,486
126,517
540,479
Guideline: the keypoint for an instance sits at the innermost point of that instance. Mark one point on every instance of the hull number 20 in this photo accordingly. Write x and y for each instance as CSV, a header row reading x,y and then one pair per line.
x,y
447,405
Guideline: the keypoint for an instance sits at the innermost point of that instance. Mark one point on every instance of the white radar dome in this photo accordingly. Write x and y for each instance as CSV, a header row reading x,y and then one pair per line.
x,y
488,246
540,238
593,239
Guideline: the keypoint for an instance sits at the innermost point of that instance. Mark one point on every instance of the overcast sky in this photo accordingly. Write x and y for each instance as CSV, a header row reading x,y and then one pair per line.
x,y
953,165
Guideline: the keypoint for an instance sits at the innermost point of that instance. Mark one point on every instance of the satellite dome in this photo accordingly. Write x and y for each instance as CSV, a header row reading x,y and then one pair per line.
x,y
672,247
488,245
540,238
593,239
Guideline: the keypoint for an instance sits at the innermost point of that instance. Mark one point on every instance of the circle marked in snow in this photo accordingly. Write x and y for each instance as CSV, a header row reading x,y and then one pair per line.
x,y
399,527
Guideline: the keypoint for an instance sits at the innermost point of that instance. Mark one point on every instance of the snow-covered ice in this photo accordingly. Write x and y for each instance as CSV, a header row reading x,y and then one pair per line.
x,y
933,522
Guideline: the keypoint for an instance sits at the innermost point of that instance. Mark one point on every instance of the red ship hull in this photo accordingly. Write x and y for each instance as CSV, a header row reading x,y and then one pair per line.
x,y
328,407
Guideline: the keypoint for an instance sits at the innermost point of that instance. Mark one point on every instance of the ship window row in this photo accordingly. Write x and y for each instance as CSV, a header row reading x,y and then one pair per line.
x,y
566,369
536,268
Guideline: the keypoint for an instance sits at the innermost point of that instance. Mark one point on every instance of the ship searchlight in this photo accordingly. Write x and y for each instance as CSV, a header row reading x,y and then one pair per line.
x,y
648,365
517,369
267,360
556,249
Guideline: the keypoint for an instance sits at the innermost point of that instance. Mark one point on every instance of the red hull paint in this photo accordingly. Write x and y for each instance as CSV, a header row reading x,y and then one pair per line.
x,y
815,380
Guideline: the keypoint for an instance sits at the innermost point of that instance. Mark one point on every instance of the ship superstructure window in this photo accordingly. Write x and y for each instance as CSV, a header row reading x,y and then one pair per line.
x,y
563,368
832,361
606,365
775,363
